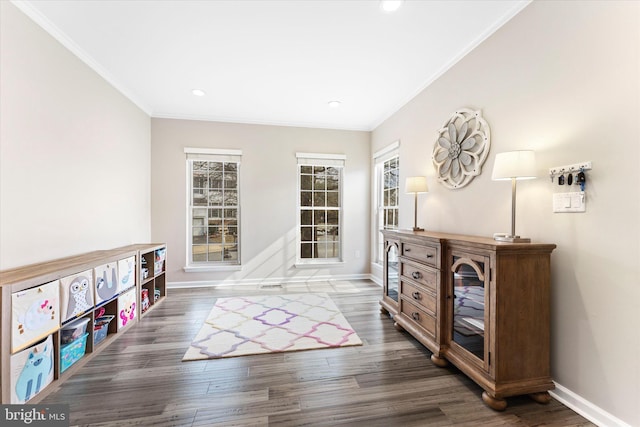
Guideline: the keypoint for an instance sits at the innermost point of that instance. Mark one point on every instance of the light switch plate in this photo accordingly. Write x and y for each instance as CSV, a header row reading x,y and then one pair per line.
x,y
569,202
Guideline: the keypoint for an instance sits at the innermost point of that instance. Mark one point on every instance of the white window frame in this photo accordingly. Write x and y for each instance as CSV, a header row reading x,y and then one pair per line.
x,y
379,159
320,159
210,155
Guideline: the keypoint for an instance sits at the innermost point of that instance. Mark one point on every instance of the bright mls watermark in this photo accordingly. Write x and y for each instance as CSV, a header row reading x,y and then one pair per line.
x,y
34,415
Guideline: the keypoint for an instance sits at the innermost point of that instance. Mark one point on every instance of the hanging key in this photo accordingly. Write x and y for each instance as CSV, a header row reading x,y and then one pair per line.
x,y
581,179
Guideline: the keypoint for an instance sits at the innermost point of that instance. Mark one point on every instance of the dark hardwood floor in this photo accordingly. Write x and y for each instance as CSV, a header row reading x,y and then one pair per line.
x,y
139,379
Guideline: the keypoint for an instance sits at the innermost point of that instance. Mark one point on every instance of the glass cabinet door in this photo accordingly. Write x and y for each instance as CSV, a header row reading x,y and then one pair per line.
x,y
469,290
392,268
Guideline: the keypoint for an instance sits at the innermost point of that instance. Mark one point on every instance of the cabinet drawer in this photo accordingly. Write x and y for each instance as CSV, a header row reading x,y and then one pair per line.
x,y
422,297
421,317
426,254
422,275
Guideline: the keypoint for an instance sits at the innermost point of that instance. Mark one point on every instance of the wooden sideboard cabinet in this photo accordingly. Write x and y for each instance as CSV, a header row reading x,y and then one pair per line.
x,y
480,304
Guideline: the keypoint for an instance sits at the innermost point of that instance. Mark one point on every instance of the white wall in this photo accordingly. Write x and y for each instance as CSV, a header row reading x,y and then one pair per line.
x,y
561,78
74,152
268,184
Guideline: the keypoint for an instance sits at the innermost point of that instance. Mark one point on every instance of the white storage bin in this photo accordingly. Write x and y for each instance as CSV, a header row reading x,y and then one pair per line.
x,y
35,313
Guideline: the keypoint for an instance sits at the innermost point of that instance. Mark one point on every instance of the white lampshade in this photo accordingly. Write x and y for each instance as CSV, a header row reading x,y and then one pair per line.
x,y
416,184
514,164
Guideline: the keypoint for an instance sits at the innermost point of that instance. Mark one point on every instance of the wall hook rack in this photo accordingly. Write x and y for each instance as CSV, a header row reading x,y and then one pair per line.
x,y
576,167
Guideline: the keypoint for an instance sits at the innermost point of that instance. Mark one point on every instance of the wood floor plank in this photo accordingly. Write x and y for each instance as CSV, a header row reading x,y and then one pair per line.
x,y
140,379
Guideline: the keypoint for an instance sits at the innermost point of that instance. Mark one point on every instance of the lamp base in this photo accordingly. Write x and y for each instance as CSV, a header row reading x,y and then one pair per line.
x,y
511,239
418,229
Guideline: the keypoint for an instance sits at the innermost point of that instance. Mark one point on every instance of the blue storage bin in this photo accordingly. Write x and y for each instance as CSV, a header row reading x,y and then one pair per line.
x,y
101,328
74,330
71,353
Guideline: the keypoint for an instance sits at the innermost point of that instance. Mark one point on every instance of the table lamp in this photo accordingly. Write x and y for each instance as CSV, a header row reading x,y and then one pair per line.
x,y
415,185
514,165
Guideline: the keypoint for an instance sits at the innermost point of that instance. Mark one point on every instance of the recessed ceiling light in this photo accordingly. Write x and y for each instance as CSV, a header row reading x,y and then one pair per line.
x,y
198,92
390,5
334,104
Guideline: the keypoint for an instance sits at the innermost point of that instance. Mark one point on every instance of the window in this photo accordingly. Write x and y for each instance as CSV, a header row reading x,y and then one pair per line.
x,y
213,210
387,171
320,207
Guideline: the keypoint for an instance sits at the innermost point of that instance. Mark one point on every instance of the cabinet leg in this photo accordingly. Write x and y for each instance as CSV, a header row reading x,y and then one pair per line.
x,y
439,361
384,311
398,327
493,402
543,397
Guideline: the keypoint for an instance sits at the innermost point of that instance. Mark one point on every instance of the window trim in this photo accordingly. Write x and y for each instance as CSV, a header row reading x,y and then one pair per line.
x,y
320,159
378,159
212,155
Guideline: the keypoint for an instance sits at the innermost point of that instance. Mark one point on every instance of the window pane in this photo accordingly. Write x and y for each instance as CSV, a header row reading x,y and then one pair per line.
x,y
215,235
306,250
332,199
318,170
305,182
215,253
319,183
199,235
199,217
231,213
332,183
306,217
215,179
231,197
393,197
319,199
230,167
215,198
231,253
319,217
332,217
199,197
231,234
199,252
305,198
199,179
306,169
332,250
306,234
333,171
332,234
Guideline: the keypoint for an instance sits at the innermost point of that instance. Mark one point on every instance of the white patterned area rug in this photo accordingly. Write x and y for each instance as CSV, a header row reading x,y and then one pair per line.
x,y
239,326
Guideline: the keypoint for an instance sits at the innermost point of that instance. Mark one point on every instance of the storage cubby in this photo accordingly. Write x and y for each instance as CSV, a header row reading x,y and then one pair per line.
x,y
43,304
153,286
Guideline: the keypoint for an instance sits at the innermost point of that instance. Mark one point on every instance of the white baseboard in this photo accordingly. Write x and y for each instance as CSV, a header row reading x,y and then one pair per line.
x,y
267,281
582,406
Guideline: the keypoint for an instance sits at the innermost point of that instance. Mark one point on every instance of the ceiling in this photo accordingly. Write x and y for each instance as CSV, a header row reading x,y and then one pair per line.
x,y
271,62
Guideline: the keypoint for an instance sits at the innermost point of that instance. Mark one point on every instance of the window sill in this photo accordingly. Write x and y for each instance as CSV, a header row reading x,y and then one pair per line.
x,y
320,264
209,268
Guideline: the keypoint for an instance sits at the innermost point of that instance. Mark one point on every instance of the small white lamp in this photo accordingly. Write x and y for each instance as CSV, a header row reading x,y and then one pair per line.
x,y
415,185
514,165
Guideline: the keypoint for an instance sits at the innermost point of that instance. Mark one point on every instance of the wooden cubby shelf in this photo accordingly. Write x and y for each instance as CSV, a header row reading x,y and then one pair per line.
x,y
41,301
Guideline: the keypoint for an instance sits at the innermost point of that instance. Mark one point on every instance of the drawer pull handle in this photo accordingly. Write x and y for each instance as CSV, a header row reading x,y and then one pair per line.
x,y
407,249
416,295
415,315
429,256
416,275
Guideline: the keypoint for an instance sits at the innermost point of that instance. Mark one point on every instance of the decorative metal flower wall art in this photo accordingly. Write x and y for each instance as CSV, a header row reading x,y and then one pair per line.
x,y
461,149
